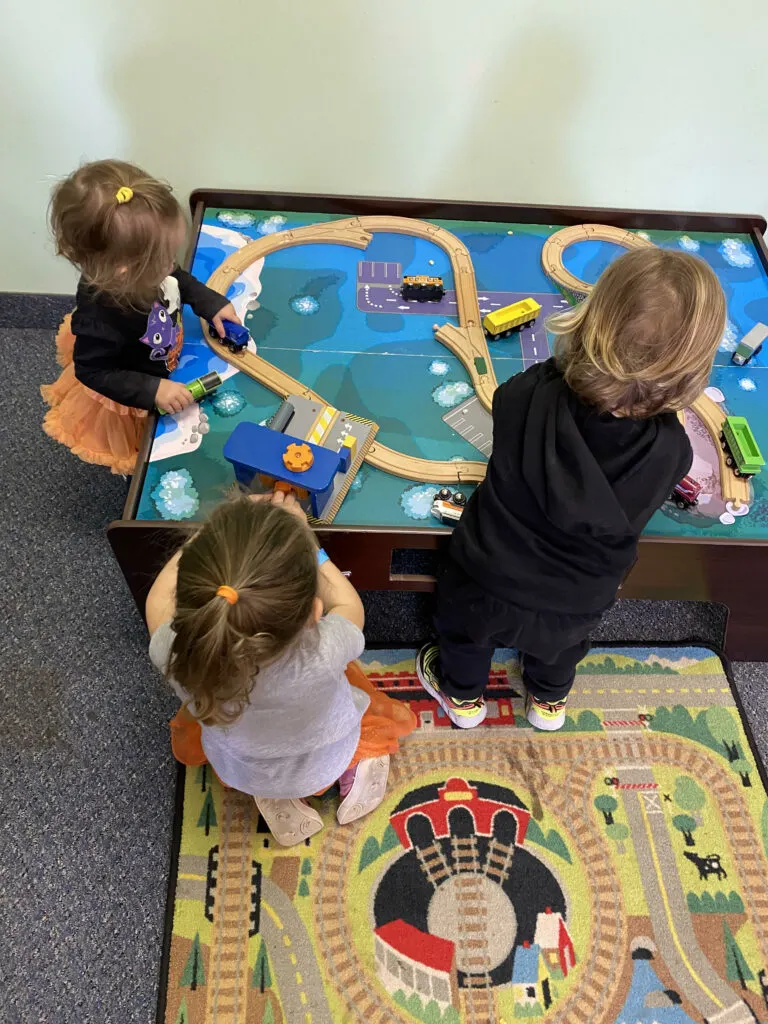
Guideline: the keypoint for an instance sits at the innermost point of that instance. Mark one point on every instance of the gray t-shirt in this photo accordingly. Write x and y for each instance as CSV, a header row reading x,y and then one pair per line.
x,y
301,726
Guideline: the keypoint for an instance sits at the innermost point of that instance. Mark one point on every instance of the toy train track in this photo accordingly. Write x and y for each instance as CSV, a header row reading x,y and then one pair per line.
x,y
734,489
378,455
467,341
556,244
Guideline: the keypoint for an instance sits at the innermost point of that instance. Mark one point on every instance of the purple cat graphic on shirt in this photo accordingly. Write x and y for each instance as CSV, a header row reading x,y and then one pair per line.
x,y
161,332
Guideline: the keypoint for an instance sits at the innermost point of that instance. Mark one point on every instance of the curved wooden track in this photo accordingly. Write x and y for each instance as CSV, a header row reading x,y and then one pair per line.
x,y
555,245
467,341
733,488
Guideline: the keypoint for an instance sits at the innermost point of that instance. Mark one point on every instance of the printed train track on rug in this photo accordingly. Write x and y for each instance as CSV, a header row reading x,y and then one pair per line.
x,y
613,873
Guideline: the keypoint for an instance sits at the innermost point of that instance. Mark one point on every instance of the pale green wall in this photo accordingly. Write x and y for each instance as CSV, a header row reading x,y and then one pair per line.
x,y
605,102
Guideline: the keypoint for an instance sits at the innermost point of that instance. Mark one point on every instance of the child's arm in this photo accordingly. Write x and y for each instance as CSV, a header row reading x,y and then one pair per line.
x,y
161,600
335,591
339,596
205,302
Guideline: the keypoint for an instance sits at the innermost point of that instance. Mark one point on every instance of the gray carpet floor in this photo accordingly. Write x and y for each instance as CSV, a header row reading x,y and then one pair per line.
x,y
86,771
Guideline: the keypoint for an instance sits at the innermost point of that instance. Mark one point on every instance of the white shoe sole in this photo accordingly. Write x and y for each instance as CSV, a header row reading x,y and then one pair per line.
x,y
458,720
368,789
289,821
545,724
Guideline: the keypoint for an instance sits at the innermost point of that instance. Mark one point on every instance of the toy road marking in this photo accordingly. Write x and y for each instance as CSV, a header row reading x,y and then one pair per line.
x,y
321,425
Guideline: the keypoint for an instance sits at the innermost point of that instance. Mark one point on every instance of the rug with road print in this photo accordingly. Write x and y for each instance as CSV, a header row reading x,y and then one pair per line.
x,y
613,873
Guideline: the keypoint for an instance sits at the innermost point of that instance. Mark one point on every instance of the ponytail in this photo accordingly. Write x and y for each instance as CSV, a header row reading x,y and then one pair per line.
x,y
267,558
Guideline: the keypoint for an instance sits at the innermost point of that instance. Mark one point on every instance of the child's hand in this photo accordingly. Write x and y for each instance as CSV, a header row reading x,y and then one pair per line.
x,y
172,396
227,313
289,503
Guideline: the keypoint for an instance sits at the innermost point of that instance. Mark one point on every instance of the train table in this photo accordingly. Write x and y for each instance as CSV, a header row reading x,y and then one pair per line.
x,y
398,390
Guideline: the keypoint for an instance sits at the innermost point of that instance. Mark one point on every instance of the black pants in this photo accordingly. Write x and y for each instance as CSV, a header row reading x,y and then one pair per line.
x,y
471,624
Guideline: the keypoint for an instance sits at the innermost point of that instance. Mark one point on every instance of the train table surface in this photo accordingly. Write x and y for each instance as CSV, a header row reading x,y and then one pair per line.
x,y
317,280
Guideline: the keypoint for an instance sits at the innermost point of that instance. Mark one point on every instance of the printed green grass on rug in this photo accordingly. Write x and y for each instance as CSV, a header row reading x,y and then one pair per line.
x,y
613,873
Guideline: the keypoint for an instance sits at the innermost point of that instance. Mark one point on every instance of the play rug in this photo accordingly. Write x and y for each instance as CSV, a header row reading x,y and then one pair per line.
x,y
613,873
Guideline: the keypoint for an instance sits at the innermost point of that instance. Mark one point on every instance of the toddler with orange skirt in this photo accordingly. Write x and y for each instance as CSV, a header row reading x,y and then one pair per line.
x,y
122,229
258,634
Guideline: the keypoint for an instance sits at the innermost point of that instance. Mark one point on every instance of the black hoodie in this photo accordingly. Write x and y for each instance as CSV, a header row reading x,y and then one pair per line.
x,y
555,523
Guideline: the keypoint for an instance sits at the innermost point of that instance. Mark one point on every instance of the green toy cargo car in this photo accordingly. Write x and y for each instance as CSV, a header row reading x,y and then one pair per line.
x,y
742,452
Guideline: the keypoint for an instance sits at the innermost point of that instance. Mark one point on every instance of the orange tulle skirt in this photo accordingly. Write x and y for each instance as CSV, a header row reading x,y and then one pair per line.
x,y
385,722
93,427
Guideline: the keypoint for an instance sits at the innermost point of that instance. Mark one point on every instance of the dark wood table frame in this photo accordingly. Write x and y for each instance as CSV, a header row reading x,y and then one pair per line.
x,y
734,573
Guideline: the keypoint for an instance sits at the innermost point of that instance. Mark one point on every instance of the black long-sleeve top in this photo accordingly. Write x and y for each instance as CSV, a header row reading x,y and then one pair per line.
x,y
125,353
554,526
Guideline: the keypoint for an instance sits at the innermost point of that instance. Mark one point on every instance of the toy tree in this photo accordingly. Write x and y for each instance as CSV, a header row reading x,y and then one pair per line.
x,y
262,976
306,866
743,768
193,975
736,967
724,730
689,796
207,819
618,832
303,888
182,1017
268,1016
202,777
606,804
685,824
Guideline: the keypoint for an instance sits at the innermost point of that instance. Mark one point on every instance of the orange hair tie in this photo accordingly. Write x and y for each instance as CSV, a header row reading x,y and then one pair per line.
x,y
228,593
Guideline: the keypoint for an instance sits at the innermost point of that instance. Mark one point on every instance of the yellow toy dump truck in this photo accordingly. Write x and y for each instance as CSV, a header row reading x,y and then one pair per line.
x,y
502,322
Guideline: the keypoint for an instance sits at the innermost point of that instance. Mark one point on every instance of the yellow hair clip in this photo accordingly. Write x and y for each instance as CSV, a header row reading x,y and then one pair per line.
x,y
124,195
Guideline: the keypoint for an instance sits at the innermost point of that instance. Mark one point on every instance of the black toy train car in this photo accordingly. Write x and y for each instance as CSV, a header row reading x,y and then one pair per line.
x,y
422,288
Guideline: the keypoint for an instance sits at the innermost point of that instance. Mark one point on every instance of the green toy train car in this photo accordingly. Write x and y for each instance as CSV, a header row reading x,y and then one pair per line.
x,y
742,452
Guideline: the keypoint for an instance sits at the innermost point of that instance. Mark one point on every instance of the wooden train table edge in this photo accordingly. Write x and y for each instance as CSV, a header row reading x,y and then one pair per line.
x,y
451,209
722,571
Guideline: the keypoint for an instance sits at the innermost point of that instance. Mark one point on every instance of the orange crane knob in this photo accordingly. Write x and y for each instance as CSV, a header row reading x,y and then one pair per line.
x,y
298,458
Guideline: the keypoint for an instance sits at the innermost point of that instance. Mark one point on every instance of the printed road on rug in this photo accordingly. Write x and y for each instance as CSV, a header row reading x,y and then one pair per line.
x,y
613,873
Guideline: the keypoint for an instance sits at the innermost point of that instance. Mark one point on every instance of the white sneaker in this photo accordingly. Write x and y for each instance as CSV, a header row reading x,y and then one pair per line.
x,y
541,715
368,789
289,821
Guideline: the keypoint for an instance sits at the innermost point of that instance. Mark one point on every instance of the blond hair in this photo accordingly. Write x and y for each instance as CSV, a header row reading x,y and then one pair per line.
x,y
122,249
644,340
269,557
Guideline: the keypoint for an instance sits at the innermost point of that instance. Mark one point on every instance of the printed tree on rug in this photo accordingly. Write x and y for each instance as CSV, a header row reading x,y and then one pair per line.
x,y
689,796
686,825
737,967
201,778
606,804
207,819
193,975
306,870
262,976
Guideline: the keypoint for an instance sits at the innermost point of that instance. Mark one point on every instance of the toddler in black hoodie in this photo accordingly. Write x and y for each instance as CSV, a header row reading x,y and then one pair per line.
x,y
586,447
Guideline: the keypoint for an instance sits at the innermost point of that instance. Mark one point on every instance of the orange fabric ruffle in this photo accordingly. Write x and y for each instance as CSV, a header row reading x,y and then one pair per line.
x,y
93,427
385,722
